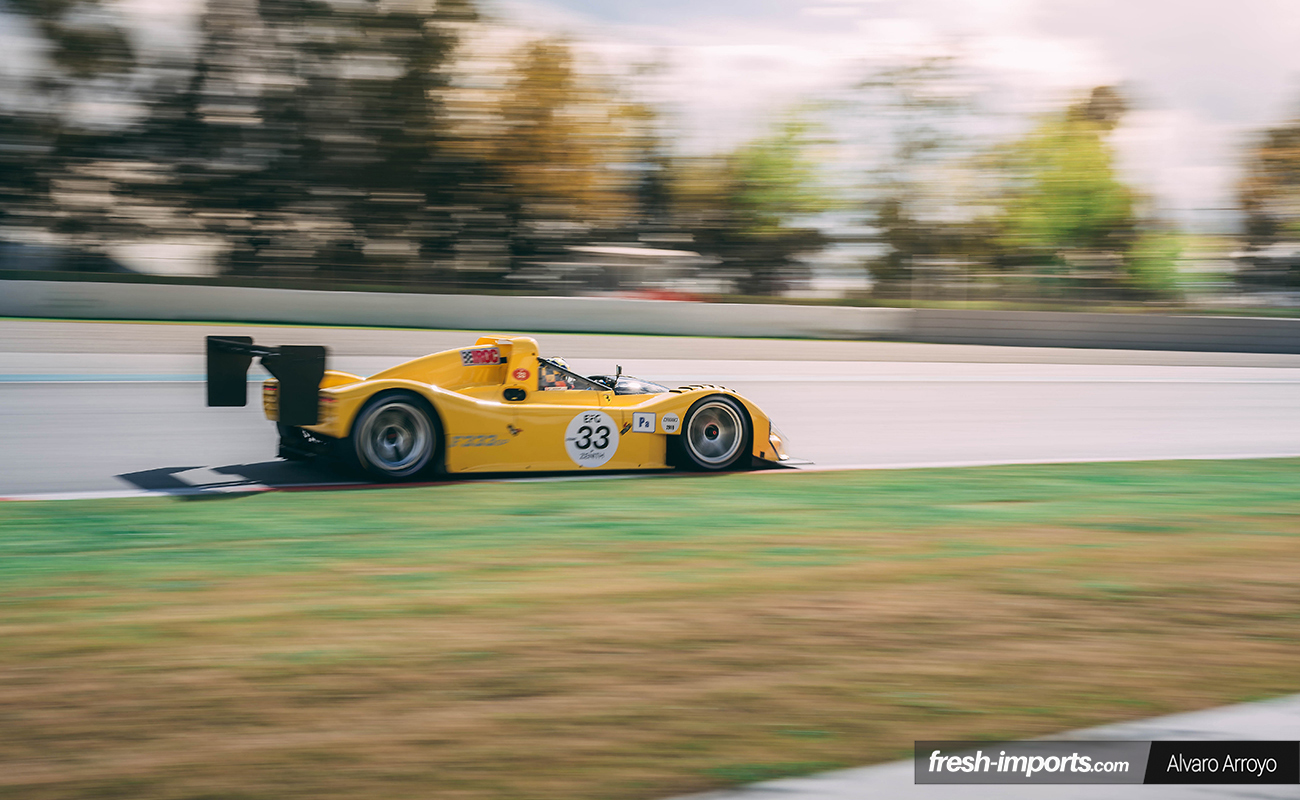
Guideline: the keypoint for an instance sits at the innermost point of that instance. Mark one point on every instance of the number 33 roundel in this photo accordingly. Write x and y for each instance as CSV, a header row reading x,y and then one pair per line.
x,y
591,439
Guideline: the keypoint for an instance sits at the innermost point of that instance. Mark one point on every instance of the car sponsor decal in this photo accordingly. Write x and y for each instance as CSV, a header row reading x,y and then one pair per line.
x,y
643,422
488,440
520,374
591,439
481,357
670,422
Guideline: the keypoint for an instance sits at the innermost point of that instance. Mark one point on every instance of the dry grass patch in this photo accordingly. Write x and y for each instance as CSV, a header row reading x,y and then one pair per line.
x,y
636,639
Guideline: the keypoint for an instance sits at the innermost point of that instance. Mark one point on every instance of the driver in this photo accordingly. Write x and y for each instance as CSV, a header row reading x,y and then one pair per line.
x,y
550,378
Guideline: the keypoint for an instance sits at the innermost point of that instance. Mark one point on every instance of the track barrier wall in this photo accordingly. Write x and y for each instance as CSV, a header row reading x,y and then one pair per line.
x,y
1112,331
85,300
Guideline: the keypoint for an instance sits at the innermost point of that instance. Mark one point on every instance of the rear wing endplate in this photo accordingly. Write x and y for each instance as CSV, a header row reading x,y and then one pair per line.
x,y
299,368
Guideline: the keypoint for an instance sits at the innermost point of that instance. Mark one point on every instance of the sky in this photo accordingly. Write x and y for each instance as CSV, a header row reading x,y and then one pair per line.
x,y
1202,75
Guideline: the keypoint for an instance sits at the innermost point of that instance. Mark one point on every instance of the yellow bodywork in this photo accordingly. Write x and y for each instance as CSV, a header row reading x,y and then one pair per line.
x,y
484,432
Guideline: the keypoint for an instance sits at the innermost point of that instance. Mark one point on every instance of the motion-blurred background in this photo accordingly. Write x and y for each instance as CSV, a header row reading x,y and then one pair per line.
x,y
586,640
857,151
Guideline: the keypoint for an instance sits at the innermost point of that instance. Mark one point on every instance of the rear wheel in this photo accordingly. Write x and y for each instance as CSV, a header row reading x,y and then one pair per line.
x,y
715,435
395,436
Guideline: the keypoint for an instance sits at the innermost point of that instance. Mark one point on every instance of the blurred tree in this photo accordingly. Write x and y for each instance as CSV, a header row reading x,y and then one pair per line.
x,y
1061,192
86,41
650,143
309,136
914,114
776,179
742,208
577,157
26,164
1151,264
1269,194
562,136
1063,211
59,131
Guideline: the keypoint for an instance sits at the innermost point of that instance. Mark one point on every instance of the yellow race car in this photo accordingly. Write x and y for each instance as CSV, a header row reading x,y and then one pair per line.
x,y
495,406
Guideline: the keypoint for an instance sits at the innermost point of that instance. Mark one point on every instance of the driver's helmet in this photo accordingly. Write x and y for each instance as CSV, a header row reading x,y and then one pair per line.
x,y
551,378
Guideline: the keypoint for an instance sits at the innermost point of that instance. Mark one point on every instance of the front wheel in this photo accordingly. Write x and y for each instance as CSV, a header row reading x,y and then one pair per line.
x,y
396,436
716,434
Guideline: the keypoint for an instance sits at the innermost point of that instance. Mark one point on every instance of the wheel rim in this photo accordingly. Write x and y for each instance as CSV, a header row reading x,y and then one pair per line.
x,y
396,437
715,433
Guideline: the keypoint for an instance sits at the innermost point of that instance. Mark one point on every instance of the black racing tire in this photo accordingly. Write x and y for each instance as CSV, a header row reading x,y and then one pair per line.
x,y
716,435
396,436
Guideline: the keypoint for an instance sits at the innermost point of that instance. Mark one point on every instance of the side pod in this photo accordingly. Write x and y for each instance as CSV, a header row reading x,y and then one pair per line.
x,y
299,369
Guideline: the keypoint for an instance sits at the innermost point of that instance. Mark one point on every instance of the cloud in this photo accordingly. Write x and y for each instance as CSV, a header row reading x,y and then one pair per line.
x,y
830,11
1184,161
162,27
1202,72
1234,63
23,53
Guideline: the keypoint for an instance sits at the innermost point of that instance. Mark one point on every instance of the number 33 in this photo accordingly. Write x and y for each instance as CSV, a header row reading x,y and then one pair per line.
x,y
585,433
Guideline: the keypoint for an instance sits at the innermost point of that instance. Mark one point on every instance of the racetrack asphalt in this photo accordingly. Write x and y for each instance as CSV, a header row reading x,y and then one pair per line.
x,y
104,407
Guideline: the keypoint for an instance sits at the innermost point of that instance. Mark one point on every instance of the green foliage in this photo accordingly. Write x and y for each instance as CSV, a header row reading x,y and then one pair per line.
x,y
1062,208
137,541
743,208
776,178
1061,191
1152,264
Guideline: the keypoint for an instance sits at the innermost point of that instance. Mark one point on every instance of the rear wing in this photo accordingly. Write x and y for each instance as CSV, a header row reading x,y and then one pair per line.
x,y
299,368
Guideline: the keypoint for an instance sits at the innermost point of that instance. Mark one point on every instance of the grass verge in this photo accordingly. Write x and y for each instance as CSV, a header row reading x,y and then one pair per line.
x,y
626,638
